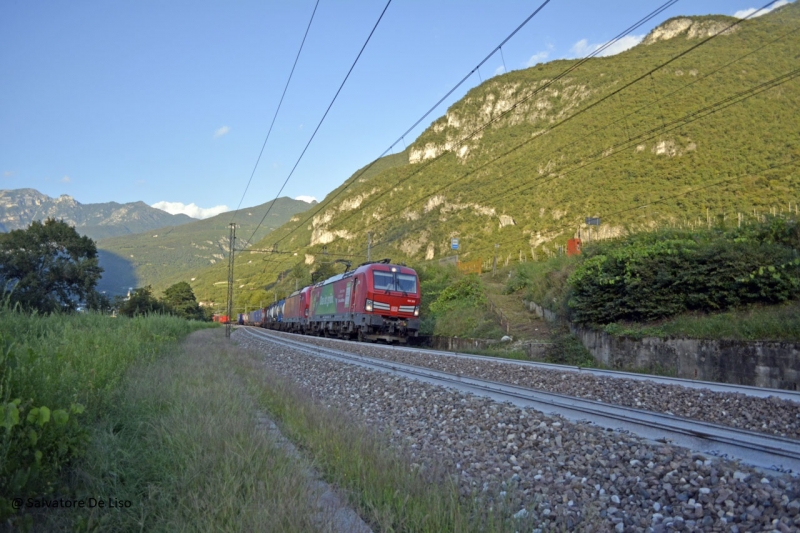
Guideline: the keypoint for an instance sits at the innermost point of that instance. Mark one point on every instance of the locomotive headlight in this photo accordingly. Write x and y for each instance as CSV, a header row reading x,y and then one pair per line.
x,y
368,306
416,311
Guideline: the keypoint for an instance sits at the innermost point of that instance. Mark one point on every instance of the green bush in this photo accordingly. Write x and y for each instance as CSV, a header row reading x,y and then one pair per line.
x,y
467,291
545,282
57,374
661,274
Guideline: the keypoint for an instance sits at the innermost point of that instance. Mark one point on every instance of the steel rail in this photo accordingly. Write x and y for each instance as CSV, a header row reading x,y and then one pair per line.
x,y
757,449
713,386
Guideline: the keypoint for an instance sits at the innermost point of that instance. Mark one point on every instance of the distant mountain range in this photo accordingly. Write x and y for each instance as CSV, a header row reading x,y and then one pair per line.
x,y
166,255
20,207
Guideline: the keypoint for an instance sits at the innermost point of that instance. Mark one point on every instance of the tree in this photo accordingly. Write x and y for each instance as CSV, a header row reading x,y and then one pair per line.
x,y
142,302
48,267
180,299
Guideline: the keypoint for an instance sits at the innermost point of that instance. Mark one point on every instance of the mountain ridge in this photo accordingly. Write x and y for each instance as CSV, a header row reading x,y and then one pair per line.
x,y
178,253
20,207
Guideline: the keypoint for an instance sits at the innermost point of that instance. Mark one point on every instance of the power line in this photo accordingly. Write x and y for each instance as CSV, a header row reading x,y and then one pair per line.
x,y
675,124
323,117
354,179
626,116
619,90
502,115
571,117
277,110
436,105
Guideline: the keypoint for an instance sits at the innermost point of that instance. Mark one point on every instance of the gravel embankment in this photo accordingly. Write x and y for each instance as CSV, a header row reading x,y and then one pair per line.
x,y
768,415
560,475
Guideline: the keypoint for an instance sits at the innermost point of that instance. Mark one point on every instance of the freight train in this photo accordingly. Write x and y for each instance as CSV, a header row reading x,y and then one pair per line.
x,y
376,301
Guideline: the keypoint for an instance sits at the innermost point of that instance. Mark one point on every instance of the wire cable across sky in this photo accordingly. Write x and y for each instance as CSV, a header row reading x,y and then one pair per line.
x,y
277,110
375,27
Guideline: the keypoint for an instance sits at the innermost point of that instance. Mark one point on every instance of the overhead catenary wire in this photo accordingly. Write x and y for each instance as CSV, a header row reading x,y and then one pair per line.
x,y
401,138
354,179
571,117
638,110
277,110
675,124
652,70
653,202
335,96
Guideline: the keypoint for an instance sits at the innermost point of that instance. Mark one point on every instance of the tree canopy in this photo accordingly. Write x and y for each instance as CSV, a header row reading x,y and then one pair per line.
x,y
180,299
48,267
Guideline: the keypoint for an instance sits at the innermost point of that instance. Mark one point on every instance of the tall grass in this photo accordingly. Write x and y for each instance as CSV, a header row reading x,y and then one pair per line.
x,y
57,375
382,485
182,443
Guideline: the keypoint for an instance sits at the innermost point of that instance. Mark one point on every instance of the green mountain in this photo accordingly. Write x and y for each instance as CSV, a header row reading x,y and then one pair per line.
x,y
522,160
179,253
20,207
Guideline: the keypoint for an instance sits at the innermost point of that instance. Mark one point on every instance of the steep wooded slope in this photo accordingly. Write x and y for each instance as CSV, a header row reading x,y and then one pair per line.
x,y
711,135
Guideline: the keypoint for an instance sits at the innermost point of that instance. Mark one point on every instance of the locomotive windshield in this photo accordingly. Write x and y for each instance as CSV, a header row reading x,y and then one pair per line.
x,y
392,281
406,283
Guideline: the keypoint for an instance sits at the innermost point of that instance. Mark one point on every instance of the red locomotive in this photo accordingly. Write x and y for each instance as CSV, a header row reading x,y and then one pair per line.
x,y
376,301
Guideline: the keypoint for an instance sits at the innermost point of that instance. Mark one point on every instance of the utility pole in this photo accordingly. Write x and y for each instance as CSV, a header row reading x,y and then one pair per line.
x,y
229,307
369,245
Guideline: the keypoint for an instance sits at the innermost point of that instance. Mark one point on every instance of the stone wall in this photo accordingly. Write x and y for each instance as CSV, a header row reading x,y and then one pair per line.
x,y
757,363
535,350
540,311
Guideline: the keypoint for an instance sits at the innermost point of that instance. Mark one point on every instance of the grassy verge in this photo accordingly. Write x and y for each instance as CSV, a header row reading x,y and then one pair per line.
x,y
58,374
183,446
378,479
758,323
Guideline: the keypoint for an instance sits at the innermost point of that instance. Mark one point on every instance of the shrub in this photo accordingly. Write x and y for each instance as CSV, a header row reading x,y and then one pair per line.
x,y
656,275
468,291
52,368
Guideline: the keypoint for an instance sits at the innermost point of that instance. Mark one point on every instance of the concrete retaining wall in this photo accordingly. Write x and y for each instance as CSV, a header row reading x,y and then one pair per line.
x,y
540,311
757,363
535,350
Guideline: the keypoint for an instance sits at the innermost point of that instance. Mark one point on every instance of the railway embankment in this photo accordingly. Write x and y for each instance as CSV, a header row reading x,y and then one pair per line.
x,y
555,474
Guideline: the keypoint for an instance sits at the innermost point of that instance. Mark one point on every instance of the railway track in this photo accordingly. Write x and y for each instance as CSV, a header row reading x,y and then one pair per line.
x,y
758,392
757,449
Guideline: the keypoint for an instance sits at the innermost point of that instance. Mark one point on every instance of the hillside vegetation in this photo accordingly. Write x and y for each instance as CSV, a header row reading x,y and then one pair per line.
x,y
738,283
178,253
712,136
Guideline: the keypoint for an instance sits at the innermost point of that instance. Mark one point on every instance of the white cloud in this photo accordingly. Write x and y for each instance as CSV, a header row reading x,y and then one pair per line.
x,y
8,173
224,130
66,179
307,199
743,13
582,48
539,57
499,70
176,208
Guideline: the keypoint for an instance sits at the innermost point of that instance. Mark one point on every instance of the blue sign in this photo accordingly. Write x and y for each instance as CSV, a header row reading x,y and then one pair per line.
x,y
454,244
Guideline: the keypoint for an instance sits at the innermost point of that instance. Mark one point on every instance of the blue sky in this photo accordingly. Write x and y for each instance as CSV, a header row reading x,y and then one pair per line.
x,y
171,101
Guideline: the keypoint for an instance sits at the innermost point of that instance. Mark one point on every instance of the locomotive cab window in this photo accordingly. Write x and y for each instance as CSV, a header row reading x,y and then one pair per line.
x,y
406,283
384,281
392,281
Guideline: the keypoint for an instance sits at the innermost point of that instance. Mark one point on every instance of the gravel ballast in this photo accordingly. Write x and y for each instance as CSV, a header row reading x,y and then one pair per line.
x,y
772,415
554,473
